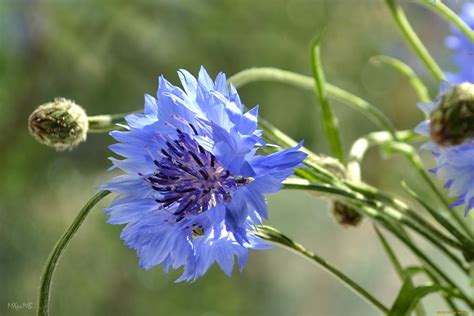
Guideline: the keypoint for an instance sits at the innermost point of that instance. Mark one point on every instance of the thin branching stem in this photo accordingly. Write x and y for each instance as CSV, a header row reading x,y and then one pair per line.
x,y
274,236
59,248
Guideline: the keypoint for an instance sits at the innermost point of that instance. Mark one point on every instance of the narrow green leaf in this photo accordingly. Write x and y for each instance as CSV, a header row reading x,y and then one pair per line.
x,y
413,40
402,273
409,296
408,72
450,16
329,120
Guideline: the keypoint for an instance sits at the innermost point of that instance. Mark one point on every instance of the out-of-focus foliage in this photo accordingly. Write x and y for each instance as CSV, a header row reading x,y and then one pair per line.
x,y
105,55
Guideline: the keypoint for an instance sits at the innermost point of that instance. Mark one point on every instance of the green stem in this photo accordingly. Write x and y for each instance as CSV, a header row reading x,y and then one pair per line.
x,y
329,121
302,184
400,213
305,82
397,266
284,140
105,123
411,219
440,218
415,160
413,40
449,15
59,248
408,72
274,236
359,148
398,232
471,273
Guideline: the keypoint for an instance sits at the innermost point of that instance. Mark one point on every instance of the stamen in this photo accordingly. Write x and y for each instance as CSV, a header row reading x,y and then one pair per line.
x,y
180,145
182,209
173,149
167,200
213,160
184,190
196,158
193,128
204,174
225,174
164,152
201,150
190,180
165,189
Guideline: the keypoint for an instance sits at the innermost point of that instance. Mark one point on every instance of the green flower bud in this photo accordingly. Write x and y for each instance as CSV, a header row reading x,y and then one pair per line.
x,y
61,124
343,214
452,122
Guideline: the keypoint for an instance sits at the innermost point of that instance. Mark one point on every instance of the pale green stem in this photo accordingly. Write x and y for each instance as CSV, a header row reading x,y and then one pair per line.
x,y
378,138
400,234
274,236
106,123
419,310
386,217
400,213
440,218
305,82
284,140
449,15
471,272
408,72
413,40
329,120
415,160
59,248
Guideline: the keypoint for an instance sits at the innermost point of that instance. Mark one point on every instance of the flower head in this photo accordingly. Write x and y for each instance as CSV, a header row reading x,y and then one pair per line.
x,y
463,48
193,186
452,122
61,124
455,164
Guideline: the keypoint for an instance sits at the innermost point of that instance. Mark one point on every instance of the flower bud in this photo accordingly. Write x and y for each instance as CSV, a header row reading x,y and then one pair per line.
x,y
61,124
343,214
452,122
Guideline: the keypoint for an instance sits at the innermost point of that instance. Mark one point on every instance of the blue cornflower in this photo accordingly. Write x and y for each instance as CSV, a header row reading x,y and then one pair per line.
x,y
193,186
463,48
454,164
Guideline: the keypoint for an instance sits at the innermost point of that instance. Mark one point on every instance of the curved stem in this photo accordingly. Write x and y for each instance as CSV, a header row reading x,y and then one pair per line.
x,y
408,72
53,259
274,236
413,39
305,82
449,15
359,148
329,121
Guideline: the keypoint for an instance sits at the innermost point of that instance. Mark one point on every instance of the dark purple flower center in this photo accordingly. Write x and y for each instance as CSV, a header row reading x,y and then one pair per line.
x,y
190,179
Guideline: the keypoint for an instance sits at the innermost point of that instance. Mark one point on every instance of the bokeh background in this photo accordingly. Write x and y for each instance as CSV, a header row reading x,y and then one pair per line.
x,y
105,55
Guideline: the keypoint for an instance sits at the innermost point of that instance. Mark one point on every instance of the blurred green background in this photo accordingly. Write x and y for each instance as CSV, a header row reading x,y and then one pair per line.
x,y
105,55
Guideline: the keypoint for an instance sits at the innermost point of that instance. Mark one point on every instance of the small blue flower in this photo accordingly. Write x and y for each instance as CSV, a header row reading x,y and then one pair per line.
x,y
193,188
454,164
463,48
